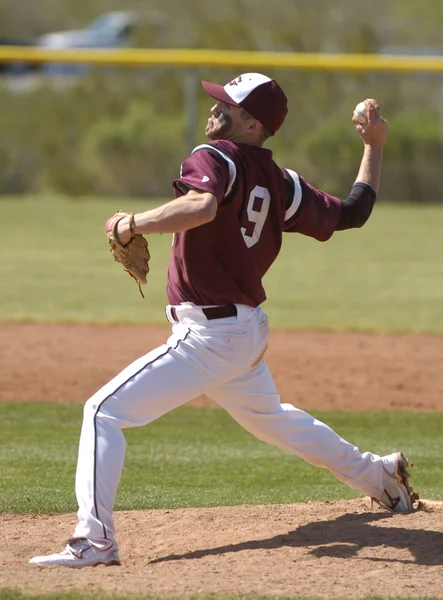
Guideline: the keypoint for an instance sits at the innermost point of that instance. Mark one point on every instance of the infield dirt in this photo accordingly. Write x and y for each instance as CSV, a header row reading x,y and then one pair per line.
x,y
336,549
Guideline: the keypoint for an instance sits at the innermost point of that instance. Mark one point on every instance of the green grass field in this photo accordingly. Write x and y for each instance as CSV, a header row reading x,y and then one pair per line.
x,y
219,464
387,277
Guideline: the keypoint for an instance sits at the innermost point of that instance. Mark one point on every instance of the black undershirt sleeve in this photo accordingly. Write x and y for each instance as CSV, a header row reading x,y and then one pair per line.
x,y
357,207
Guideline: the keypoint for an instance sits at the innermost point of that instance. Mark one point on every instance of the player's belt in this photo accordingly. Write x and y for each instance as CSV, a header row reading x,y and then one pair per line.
x,y
220,312
213,312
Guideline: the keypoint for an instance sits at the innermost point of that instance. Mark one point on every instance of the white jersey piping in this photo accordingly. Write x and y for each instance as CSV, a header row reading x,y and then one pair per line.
x,y
231,164
296,200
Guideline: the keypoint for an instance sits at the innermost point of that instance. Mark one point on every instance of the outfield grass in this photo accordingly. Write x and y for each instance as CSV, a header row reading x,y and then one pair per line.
x,y
196,457
387,276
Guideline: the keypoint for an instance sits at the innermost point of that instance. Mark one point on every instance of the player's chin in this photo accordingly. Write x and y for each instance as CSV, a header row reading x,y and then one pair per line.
x,y
215,134
211,133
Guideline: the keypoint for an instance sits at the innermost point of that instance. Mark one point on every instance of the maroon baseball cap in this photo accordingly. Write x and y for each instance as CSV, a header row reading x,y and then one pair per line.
x,y
259,95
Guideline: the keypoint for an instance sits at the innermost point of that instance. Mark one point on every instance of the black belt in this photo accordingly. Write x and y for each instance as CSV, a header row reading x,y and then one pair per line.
x,y
213,312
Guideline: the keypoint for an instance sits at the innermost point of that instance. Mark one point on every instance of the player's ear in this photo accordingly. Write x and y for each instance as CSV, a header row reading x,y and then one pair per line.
x,y
254,126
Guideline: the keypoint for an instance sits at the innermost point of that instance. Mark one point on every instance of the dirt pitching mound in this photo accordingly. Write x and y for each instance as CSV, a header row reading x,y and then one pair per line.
x,y
344,549
343,371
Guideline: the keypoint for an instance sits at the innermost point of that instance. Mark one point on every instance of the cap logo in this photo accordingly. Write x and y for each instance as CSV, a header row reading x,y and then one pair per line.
x,y
235,81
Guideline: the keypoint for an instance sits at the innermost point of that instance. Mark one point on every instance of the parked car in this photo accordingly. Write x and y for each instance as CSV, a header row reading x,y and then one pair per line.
x,y
110,30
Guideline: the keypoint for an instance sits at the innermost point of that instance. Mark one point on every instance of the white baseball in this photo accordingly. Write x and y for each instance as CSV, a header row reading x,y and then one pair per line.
x,y
361,113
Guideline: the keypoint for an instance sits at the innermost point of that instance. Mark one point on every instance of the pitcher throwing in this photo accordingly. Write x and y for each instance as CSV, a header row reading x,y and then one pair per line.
x,y
232,205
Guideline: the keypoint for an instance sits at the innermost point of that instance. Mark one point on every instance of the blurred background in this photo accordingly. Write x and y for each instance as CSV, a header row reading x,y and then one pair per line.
x,y
79,130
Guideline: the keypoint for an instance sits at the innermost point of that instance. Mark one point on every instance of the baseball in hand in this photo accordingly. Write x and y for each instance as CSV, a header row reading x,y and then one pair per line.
x,y
361,113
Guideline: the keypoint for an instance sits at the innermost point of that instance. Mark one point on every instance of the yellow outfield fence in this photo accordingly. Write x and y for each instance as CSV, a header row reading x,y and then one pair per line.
x,y
185,58
123,131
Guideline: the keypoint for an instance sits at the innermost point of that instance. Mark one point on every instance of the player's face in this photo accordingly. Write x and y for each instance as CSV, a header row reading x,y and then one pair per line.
x,y
225,122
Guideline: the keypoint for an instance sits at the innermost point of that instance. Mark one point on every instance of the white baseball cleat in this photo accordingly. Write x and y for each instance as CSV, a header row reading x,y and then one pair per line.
x,y
398,495
79,553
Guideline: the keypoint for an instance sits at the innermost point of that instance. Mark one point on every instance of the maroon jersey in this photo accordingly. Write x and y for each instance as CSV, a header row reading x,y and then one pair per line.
x,y
224,261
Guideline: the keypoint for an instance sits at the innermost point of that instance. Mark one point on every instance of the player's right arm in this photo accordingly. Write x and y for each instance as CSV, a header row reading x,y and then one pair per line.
x,y
373,135
357,208
319,214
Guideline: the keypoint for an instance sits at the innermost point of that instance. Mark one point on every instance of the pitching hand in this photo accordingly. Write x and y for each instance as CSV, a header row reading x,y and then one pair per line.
x,y
375,131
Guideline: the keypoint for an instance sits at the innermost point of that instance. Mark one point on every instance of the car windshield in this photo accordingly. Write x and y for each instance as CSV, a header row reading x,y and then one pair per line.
x,y
106,22
101,23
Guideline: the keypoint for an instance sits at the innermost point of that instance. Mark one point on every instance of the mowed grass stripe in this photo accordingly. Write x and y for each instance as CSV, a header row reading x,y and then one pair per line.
x,y
196,457
387,276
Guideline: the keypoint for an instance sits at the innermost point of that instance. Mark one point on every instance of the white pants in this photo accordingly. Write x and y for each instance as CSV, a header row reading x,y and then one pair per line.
x,y
223,359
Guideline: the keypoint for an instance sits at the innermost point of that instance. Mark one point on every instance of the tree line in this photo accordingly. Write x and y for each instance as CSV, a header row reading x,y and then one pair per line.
x,y
122,132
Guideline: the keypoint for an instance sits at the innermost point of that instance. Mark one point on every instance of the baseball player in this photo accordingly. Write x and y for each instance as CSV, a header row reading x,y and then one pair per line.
x,y
232,205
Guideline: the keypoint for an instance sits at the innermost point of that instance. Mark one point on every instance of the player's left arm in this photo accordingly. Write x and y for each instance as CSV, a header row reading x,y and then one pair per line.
x,y
191,210
204,178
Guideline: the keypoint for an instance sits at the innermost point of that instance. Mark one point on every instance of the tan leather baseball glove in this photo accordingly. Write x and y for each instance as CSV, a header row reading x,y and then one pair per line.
x,y
133,256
